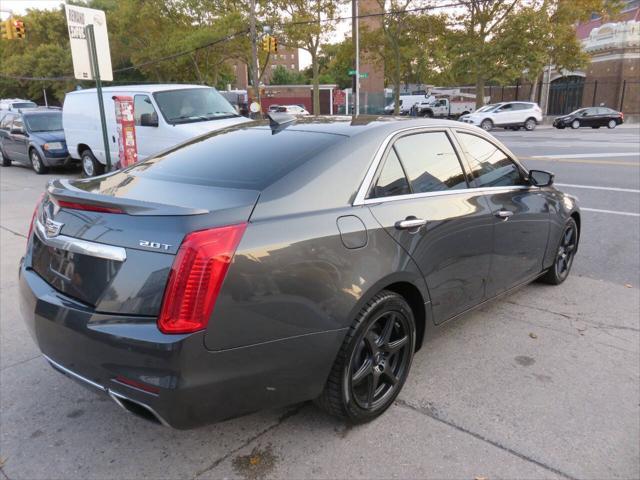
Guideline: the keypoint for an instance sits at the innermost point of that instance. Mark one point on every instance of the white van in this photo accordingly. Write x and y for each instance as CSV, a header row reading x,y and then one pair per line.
x,y
165,115
406,102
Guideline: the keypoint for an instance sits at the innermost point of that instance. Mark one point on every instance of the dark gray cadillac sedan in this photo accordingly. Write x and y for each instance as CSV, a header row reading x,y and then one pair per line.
x,y
275,262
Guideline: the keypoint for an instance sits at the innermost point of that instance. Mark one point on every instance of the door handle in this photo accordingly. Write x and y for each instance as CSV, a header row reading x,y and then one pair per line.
x,y
504,214
409,223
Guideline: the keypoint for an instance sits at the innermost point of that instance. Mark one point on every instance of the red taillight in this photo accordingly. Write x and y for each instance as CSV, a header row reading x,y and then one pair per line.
x,y
196,276
33,217
87,207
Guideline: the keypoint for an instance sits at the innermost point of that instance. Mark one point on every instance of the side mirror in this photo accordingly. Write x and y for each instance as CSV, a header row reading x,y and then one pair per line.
x,y
149,120
540,178
17,131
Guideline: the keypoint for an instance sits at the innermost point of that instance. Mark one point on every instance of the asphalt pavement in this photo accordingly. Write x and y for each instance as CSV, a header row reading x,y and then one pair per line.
x,y
544,383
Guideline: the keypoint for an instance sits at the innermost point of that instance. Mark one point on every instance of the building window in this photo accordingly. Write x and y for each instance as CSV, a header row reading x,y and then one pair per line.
x,y
293,66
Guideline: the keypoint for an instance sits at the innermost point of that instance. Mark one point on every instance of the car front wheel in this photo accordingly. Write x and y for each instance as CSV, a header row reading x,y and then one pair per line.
x,y
575,124
612,124
373,362
90,165
565,254
530,124
36,162
486,125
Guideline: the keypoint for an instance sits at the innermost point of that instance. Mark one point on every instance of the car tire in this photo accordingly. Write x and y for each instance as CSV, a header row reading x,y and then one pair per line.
x,y
6,161
530,124
486,125
36,162
612,124
565,254
575,124
373,362
90,165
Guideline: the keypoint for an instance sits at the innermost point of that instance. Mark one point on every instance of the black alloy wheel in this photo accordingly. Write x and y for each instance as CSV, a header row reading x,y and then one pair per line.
x,y
565,254
374,360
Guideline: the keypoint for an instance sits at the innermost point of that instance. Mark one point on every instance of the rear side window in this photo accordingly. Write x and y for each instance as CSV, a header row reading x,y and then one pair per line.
x,y
430,162
490,166
392,180
248,158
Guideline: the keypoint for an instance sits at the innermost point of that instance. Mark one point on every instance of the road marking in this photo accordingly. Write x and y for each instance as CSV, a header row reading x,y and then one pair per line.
x,y
588,155
593,187
589,162
597,210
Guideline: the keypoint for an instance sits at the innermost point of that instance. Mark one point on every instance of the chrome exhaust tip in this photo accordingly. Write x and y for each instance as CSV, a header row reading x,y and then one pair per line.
x,y
138,409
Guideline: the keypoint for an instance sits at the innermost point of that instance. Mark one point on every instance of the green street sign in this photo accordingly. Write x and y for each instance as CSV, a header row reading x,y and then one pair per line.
x,y
351,72
364,75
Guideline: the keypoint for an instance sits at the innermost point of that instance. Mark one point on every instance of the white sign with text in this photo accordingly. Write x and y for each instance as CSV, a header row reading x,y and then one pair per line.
x,y
77,19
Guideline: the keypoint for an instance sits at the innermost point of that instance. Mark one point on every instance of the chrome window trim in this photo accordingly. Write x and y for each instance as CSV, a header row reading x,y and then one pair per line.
x,y
483,190
73,374
365,186
83,247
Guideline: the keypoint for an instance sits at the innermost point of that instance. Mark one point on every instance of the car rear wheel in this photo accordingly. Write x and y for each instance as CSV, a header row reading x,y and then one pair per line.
x,y
612,124
486,124
530,124
565,254
90,165
6,161
575,124
373,362
36,162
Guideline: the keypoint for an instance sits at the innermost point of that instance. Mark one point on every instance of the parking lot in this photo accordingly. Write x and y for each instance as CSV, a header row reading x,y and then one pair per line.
x,y
544,383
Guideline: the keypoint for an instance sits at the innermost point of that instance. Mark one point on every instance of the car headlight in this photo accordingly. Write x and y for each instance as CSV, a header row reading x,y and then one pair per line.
x,y
53,146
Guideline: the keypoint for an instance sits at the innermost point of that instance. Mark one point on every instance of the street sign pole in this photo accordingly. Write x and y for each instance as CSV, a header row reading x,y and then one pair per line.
x,y
93,55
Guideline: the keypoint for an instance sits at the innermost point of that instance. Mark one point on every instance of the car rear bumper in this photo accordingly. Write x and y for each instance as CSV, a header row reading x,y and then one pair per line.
x,y
195,385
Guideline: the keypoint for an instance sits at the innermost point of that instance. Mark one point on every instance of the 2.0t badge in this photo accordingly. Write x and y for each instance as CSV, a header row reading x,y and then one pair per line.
x,y
156,245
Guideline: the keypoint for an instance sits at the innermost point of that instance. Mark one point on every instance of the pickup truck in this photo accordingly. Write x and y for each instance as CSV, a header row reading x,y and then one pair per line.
x,y
445,108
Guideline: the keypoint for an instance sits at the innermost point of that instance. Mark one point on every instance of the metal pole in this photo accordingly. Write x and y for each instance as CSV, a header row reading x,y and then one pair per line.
x,y
595,90
255,75
46,103
624,87
93,55
502,99
356,45
517,88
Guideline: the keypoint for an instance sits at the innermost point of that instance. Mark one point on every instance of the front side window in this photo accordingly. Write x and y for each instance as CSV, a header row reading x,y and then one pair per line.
x,y
18,122
142,106
430,162
392,180
193,105
490,166
507,107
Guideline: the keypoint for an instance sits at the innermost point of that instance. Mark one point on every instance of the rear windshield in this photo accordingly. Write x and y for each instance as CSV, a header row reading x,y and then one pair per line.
x,y
44,122
248,158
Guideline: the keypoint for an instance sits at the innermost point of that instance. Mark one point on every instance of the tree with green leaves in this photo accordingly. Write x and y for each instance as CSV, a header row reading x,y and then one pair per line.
x,y
305,24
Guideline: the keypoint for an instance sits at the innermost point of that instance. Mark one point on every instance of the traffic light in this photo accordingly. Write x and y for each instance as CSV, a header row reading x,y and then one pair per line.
x,y
266,43
273,47
19,29
6,28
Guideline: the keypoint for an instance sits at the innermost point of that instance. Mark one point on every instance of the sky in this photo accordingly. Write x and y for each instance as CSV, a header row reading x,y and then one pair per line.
x,y
18,7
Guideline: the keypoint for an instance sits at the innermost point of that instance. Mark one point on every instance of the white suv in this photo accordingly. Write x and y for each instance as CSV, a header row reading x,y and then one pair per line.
x,y
513,115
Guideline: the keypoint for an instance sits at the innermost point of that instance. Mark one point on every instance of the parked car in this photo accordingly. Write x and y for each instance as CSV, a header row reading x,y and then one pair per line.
x,y
594,117
34,138
273,108
218,278
292,109
512,115
185,111
14,104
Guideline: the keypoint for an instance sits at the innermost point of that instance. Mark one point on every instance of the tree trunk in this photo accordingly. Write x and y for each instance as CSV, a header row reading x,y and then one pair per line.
x,y
534,89
316,84
479,91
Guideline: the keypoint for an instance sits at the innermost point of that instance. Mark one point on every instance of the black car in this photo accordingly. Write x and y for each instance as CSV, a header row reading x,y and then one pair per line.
x,y
594,117
34,138
268,264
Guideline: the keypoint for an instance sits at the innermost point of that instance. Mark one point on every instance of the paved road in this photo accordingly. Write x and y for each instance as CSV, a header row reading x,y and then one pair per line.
x,y
542,384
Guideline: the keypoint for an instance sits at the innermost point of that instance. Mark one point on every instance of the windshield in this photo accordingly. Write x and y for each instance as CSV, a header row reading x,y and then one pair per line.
x,y
488,108
44,122
193,105
24,105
